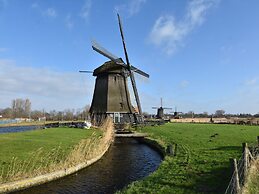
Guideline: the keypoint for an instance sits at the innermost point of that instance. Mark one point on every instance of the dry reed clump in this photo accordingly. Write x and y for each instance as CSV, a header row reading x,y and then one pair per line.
x,y
252,184
41,162
89,148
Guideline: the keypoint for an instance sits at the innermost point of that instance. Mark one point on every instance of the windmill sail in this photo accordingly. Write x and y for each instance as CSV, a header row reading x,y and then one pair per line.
x,y
98,48
132,78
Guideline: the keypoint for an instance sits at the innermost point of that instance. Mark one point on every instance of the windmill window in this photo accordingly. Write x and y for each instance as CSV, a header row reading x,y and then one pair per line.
x,y
121,105
115,78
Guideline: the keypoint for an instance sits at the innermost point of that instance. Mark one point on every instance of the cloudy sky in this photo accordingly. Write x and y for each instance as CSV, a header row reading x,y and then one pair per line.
x,y
202,55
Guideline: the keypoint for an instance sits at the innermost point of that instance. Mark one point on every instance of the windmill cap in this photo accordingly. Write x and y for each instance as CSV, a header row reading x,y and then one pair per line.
x,y
108,67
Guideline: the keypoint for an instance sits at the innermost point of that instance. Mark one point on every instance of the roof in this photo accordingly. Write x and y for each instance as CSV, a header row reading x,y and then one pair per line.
x,y
109,66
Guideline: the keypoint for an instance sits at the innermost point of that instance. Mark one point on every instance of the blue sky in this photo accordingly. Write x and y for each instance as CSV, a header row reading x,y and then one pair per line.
x,y
202,55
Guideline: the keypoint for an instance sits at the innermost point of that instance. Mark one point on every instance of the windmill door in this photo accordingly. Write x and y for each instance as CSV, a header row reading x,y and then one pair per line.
x,y
117,117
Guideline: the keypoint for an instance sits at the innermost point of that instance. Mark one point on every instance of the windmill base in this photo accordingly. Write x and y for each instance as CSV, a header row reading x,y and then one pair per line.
x,y
118,118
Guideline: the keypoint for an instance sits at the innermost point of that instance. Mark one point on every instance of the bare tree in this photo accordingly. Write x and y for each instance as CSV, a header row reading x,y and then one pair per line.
x,y
27,107
21,107
6,113
219,113
36,114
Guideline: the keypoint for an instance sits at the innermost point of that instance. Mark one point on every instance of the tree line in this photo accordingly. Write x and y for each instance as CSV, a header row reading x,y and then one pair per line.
x,y
21,108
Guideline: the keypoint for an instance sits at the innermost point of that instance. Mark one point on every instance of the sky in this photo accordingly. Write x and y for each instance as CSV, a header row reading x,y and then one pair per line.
x,y
201,55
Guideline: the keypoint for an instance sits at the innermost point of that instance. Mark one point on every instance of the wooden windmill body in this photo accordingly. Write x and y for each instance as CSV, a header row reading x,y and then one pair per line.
x,y
111,95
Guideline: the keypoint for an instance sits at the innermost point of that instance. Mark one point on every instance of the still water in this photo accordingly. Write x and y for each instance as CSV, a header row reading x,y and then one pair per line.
x,y
126,161
17,129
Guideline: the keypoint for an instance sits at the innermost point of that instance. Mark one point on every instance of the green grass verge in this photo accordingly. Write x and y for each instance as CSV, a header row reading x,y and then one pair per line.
x,y
202,161
32,150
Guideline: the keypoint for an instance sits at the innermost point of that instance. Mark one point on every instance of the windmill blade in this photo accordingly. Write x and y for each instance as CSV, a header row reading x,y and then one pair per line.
x,y
155,108
139,71
168,108
132,78
123,42
85,71
98,48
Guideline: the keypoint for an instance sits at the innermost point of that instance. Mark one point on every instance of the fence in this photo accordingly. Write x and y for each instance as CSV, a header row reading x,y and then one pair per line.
x,y
240,168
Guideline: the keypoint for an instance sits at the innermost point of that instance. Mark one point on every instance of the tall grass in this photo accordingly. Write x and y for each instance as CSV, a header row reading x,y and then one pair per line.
x,y
41,162
252,184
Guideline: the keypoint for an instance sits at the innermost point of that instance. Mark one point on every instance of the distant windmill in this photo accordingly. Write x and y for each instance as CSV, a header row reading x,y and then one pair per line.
x,y
176,113
111,95
160,110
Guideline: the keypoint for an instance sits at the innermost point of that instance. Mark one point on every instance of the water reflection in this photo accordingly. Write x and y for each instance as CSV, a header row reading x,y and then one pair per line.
x,y
126,161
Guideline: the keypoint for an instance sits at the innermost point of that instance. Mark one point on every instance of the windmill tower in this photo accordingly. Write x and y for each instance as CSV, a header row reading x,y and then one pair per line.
x,y
111,94
160,110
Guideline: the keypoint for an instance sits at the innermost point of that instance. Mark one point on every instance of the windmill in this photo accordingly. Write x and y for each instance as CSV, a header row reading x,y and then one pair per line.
x,y
160,110
177,114
111,95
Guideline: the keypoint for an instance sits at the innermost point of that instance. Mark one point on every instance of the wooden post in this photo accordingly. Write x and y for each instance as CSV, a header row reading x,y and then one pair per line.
x,y
245,158
169,150
175,149
236,184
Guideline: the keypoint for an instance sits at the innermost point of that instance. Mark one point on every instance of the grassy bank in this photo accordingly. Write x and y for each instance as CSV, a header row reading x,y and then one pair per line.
x,y
35,152
252,184
202,161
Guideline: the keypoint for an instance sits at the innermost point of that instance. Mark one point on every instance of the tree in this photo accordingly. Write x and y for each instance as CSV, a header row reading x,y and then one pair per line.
x,y
21,108
219,113
27,107
36,114
6,113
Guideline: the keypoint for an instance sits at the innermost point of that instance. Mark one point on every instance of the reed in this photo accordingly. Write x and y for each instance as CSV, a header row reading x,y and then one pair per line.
x,y
41,162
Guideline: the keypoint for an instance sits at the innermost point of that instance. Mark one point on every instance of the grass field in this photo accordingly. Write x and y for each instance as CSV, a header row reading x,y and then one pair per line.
x,y
36,149
202,161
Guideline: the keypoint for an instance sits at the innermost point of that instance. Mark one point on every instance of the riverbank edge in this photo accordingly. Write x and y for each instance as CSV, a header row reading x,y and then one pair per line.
x,y
38,180
153,143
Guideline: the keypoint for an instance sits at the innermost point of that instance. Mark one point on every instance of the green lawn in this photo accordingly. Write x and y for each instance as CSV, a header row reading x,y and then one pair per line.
x,y
202,161
37,148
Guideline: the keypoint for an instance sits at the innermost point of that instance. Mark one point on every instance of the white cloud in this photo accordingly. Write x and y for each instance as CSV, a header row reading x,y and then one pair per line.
x,y
56,89
69,22
169,33
131,8
85,12
50,12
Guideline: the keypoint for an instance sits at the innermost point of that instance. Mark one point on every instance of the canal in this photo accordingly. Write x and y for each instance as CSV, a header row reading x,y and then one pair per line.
x,y
126,161
15,129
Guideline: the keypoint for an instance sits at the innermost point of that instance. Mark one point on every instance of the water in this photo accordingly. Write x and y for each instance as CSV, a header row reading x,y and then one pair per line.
x,y
17,129
126,161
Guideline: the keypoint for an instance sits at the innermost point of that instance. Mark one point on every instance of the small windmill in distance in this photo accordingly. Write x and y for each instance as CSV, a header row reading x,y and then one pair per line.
x,y
177,114
160,110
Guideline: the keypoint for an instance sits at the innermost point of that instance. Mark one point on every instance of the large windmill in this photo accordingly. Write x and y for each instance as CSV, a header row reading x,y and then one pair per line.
x,y
160,110
111,94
